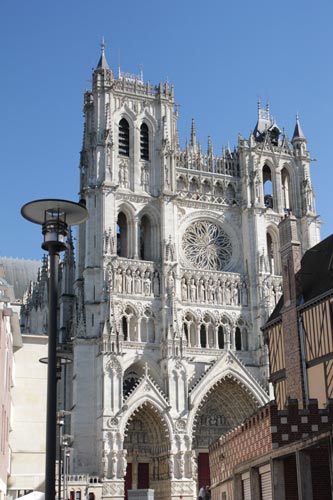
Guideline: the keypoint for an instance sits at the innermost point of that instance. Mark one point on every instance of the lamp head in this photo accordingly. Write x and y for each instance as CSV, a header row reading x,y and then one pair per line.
x,y
55,216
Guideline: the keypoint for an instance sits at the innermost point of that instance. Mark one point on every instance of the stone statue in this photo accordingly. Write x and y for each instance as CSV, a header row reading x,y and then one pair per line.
x,y
156,284
193,290
183,289
171,467
123,464
194,465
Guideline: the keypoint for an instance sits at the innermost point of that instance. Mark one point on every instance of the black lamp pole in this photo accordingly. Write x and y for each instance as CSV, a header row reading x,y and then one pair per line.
x,y
55,216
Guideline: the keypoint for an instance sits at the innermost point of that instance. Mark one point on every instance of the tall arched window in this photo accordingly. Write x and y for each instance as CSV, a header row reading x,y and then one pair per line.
x,y
268,186
238,339
129,324
203,336
273,254
270,254
124,137
190,330
144,142
285,181
147,328
186,331
122,235
146,240
125,327
220,337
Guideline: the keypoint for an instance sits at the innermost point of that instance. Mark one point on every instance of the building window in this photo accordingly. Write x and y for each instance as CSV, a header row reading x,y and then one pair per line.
x,y
125,327
145,238
273,253
220,337
203,337
122,235
186,331
123,137
238,339
268,187
285,181
144,142
129,325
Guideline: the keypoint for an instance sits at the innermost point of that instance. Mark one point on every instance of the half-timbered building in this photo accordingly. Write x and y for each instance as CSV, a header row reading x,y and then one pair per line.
x,y
284,451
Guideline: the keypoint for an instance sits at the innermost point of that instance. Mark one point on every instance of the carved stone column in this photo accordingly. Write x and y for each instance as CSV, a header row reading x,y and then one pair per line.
x,y
136,237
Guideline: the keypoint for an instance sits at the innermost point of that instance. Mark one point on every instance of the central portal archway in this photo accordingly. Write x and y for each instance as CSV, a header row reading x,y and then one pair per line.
x,y
221,409
147,442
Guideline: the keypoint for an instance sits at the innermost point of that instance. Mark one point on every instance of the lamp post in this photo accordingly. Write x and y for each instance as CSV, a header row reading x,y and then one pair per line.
x,y
55,216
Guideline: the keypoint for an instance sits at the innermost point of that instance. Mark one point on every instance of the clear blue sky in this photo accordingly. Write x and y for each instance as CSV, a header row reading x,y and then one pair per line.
x,y
220,56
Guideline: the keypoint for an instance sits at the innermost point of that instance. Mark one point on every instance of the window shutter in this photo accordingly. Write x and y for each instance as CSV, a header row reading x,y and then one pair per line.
x,y
246,486
265,483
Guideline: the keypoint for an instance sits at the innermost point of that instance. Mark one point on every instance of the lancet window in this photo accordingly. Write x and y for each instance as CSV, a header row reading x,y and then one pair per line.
x,y
220,337
146,242
273,253
124,140
122,235
203,336
268,187
144,142
238,339
129,325
286,193
147,329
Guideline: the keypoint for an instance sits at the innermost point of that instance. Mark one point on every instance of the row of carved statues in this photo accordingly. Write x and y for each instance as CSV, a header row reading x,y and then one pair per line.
x,y
179,465
137,282
230,292
144,281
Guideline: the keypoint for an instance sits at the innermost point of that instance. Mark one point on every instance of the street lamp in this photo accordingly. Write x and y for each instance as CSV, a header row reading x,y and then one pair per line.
x,y
55,216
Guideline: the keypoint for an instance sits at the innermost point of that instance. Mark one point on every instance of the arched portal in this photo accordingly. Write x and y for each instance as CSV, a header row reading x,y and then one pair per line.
x,y
147,442
222,408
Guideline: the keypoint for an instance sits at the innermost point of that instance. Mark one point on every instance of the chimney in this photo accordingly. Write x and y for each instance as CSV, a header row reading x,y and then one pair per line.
x,y
290,249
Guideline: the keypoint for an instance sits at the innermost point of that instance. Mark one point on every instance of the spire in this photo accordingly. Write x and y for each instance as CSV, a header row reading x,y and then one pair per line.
x,y
298,132
102,63
209,146
193,134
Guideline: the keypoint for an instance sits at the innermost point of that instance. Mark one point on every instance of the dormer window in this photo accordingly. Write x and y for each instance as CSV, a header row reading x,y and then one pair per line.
x,y
144,142
123,137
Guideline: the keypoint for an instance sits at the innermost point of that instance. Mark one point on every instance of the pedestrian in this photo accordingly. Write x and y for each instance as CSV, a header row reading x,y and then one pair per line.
x,y
202,493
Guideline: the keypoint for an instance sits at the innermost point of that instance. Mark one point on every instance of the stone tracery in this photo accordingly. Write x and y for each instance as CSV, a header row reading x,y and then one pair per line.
x,y
207,246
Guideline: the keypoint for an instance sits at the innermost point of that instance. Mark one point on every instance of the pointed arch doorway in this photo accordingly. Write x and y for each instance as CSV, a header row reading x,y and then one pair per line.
x,y
225,406
147,443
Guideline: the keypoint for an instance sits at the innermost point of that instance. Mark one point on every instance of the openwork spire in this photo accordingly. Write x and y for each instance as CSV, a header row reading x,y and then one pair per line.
x,y
193,134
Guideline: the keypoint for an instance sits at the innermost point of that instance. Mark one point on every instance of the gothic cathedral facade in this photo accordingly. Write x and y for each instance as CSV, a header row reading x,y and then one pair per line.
x,y
177,268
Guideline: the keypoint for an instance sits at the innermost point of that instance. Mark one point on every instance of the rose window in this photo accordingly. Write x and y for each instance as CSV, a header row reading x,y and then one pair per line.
x,y
207,246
